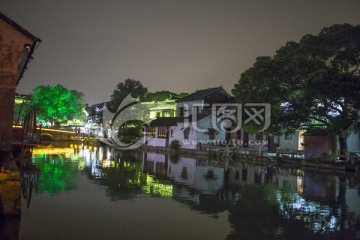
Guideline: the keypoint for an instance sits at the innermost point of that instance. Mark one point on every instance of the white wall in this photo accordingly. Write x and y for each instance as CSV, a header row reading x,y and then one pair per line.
x,y
178,134
205,124
290,144
353,142
188,105
157,142
184,163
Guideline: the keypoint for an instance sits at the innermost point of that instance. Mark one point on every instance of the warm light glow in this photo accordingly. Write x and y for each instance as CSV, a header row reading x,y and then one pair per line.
x,y
300,187
154,187
106,163
52,150
55,130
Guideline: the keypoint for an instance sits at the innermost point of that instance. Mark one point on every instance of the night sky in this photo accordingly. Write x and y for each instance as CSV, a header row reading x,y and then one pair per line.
x,y
180,46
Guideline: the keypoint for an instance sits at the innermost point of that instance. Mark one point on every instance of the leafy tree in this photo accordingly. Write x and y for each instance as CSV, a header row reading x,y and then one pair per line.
x,y
56,104
130,86
311,84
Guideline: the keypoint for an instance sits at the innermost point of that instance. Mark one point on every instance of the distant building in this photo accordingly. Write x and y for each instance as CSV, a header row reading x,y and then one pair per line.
x,y
159,109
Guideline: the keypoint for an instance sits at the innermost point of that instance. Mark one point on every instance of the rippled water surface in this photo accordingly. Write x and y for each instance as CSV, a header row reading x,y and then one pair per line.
x,y
93,192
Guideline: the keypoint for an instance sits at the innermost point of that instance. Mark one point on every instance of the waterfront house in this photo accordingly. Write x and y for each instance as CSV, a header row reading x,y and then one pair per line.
x,y
321,141
159,132
193,122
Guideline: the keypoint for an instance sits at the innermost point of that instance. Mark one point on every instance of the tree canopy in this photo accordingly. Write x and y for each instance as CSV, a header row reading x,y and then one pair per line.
x,y
311,84
123,89
56,104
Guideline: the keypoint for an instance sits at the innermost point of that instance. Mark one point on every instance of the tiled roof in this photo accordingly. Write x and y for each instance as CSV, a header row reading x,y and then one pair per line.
x,y
199,94
317,132
164,122
160,105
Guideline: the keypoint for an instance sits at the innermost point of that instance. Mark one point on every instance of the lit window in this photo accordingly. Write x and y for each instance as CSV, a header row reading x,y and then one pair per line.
x,y
151,131
162,132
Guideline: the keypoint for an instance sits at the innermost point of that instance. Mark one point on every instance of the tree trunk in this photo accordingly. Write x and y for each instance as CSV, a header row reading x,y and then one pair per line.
x,y
343,145
57,125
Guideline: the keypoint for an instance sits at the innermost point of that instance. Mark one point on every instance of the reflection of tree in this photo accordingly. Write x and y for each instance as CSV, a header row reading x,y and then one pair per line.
x,y
323,189
124,179
256,215
56,173
348,222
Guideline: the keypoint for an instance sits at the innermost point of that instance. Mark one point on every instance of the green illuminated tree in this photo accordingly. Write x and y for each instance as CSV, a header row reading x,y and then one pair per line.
x,y
56,104
311,84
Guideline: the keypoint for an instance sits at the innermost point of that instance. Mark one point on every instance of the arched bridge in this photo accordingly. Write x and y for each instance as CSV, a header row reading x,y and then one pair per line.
x,y
50,134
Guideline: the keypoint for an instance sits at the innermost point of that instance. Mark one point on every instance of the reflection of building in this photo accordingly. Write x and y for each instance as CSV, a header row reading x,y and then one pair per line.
x,y
319,187
352,200
195,185
155,163
245,173
206,179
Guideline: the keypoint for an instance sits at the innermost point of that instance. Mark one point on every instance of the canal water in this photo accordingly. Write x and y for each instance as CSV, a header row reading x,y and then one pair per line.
x,y
94,192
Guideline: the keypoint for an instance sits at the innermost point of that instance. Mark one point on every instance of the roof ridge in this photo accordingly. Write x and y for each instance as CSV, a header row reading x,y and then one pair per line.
x,y
19,28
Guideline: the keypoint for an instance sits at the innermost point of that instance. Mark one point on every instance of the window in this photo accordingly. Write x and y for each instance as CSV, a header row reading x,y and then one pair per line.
x,y
259,136
172,133
186,133
212,133
151,131
288,136
244,174
184,173
167,114
181,111
237,175
162,133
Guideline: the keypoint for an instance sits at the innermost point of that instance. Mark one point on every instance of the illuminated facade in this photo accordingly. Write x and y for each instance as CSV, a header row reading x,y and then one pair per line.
x,y
183,127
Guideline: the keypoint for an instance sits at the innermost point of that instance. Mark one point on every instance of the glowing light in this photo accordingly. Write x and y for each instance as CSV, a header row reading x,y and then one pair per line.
x,y
300,187
101,153
52,150
106,163
154,187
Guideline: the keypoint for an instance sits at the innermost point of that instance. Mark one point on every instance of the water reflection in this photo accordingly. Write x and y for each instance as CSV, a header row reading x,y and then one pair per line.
x,y
262,201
